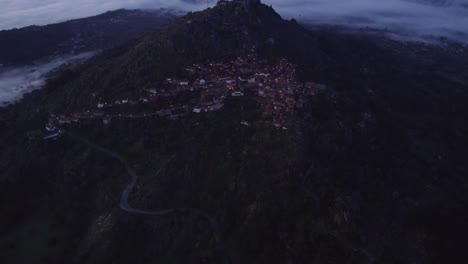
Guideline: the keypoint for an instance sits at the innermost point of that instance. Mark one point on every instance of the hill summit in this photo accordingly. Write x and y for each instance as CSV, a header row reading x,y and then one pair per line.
x,y
247,4
220,33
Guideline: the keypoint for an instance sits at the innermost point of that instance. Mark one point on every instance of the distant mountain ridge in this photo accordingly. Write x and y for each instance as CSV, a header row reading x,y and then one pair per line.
x,y
25,45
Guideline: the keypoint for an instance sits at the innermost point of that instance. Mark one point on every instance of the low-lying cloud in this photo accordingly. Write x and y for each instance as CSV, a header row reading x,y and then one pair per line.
x,y
447,18
16,82
421,17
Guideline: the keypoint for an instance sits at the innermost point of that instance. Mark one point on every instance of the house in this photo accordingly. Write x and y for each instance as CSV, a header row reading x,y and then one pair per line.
x,y
184,83
245,123
202,82
277,124
52,136
152,91
237,94
265,75
64,120
251,80
50,127
197,110
215,107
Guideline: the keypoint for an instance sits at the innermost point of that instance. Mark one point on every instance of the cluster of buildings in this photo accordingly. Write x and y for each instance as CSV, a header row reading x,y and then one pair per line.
x,y
275,86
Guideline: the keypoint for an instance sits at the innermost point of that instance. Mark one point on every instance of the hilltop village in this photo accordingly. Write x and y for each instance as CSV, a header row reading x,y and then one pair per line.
x,y
276,88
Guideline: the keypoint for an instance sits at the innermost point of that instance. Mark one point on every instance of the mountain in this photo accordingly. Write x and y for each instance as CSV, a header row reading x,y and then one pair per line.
x,y
26,45
233,136
227,30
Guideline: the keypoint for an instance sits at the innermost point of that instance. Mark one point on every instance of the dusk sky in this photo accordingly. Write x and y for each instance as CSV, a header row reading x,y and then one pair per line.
x,y
445,17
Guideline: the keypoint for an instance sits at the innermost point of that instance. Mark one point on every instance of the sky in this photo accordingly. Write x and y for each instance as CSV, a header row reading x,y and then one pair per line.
x,y
438,17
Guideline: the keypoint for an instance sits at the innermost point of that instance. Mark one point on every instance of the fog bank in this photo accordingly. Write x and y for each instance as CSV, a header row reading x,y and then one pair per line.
x,y
16,82
448,18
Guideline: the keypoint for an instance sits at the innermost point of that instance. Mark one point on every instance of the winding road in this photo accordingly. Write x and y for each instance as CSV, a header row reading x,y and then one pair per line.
x,y
125,206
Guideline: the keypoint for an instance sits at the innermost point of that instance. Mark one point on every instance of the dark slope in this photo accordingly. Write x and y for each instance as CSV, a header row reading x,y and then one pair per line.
x,y
373,171
25,45
217,33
